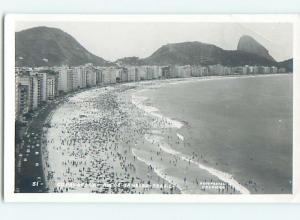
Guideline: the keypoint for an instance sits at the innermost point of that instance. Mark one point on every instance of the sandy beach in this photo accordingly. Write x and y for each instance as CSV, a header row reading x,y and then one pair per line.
x,y
90,142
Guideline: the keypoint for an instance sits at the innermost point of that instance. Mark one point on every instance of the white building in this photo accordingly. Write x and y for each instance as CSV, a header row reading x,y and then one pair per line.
x,y
196,71
217,69
142,71
133,74
183,71
76,78
63,79
35,92
90,76
228,70
281,70
43,78
82,77
109,75
51,86
69,80
157,72
124,75
267,69
98,76
22,95
150,72
274,69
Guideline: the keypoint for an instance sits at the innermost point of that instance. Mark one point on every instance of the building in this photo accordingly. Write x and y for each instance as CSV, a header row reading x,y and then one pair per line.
x,y
69,80
109,75
228,70
124,75
133,74
82,78
63,79
52,86
274,69
267,69
196,71
98,76
157,72
249,69
90,77
118,75
183,71
173,71
22,95
17,94
204,71
43,78
150,72
145,72
216,70
165,72
35,92
241,70
142,71
79,77
76,78
255,69
33,89
281,70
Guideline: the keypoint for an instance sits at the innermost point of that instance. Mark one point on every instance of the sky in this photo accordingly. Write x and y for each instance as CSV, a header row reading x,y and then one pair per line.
x,y
114,40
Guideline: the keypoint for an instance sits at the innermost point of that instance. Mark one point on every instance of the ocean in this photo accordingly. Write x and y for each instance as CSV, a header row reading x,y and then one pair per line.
x,y
241,126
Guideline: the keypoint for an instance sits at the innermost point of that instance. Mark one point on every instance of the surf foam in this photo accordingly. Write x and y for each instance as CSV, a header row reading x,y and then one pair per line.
x,y
223,176
181,137
138,101
157,170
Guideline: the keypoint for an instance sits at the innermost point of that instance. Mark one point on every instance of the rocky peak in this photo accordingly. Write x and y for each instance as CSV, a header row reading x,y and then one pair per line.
x,y
250,45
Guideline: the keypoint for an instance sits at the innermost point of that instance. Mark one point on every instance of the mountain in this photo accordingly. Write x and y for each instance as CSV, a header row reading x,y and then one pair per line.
x,y
197,53
250,45
44,46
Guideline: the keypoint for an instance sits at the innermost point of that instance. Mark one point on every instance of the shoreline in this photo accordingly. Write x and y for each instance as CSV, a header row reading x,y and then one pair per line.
x,y
177,125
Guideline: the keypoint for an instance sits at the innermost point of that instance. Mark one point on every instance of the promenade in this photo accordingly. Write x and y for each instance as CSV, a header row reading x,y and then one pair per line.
x,y
29,171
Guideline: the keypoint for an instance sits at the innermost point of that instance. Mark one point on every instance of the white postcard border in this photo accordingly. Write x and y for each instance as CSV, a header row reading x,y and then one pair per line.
x,y
9,111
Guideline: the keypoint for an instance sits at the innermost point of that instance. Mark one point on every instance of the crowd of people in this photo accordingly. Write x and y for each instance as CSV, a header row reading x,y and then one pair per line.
x,y
89,144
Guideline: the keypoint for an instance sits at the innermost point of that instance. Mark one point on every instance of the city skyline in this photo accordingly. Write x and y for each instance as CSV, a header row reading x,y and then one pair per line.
x,y
137,39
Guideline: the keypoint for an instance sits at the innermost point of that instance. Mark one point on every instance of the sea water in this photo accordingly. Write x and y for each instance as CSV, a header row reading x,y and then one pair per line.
x,y
242,126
